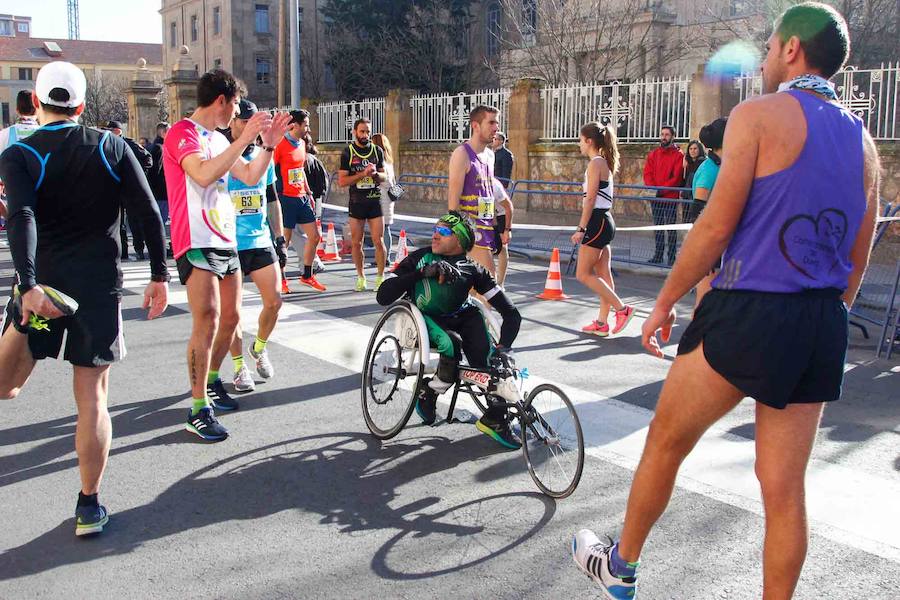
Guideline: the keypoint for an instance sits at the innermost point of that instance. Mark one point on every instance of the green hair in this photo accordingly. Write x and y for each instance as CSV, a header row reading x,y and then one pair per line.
x,y
461,227
822,32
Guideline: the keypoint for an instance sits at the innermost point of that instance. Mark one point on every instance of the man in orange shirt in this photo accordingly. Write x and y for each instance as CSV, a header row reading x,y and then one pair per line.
x,y
297,204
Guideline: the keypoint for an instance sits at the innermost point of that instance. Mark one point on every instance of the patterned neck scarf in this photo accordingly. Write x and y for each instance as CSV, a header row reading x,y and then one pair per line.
x,y
813,83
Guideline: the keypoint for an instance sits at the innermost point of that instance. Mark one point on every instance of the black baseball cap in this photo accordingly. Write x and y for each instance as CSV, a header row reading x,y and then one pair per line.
x,y
246,109
114,125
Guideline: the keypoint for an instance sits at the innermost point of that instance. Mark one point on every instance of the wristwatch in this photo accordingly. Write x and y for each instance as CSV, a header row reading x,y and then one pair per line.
x,y
580,230
269,148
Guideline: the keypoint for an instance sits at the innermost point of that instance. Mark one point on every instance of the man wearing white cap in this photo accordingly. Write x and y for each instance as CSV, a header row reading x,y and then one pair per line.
x,y
65,184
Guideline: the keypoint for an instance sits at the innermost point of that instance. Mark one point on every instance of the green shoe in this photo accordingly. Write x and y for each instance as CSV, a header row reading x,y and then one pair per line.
x,y
361,284
66,304
499,432
378,281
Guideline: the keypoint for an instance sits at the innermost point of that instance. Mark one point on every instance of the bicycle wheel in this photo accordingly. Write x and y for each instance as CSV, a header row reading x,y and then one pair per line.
x,y
392,373
552,441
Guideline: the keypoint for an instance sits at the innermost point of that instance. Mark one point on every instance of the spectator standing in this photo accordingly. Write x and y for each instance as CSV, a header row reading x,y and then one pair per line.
x,y
127,223
712,136
503,159
694,155
157,177
665,168
387,203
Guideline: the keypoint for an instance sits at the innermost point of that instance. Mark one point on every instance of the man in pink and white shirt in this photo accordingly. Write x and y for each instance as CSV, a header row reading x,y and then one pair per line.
x,y
197,161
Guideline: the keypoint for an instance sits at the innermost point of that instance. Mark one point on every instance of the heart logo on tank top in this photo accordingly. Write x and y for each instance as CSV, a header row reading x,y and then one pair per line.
x,y
810,245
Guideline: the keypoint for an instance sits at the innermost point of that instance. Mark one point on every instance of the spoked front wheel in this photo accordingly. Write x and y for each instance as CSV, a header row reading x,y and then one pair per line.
x,y
392,372
552,441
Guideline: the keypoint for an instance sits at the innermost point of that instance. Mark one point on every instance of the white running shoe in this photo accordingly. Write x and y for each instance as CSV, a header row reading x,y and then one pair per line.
x,y
263,365
243,381
592,556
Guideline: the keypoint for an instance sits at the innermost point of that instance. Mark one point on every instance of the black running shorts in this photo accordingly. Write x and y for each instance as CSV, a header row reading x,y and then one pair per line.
x,y
370,208
255,259
778,349
93,334
600,230
221,261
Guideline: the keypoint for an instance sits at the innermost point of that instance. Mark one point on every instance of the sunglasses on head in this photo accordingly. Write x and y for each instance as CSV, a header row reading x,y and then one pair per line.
x,y
443,230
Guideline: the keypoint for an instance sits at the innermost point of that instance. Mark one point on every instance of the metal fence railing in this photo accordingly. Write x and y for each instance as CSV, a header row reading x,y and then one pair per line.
x,y
445,117
637,109
336,118
871,94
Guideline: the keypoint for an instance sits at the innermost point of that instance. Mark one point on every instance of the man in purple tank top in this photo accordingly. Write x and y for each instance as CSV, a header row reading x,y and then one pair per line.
x,y
471,183
796,234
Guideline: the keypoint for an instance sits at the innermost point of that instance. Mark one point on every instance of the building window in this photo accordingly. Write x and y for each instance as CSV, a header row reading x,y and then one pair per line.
x,y
262,18
217,63
4,111
529,21
173,34
25,74
194,32
217,20
23,27
263,70
492,30
6,28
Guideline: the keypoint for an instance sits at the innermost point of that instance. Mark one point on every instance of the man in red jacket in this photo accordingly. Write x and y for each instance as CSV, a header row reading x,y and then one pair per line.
x,y
665,167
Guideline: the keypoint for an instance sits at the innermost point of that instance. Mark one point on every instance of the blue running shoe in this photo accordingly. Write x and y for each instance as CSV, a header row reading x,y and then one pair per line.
x,y
426,405
219,398
592,556
205,425
499,432
90,520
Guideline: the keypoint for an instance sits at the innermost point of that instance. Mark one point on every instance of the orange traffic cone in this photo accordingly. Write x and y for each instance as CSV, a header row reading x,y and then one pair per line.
x,y
320,249
402,250
553,288
331,249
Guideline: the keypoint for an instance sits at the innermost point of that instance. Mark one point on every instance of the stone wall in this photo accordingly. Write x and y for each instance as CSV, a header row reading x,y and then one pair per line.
x,y
558,162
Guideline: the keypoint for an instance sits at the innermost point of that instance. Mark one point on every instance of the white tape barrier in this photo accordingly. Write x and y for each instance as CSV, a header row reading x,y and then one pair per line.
x,y
567,228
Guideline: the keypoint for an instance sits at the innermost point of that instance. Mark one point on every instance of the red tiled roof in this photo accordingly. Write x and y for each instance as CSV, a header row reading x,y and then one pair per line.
x,y
30,49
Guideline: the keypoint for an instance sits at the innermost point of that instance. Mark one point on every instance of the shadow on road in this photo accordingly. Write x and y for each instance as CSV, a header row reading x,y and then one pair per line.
x,y
348,478
135,418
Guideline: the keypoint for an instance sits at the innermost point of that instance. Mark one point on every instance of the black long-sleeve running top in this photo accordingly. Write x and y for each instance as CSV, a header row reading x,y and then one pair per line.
x,y
447,299
65,185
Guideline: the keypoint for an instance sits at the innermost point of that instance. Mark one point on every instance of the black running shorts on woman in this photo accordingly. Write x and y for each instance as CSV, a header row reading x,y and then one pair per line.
x,y
600,230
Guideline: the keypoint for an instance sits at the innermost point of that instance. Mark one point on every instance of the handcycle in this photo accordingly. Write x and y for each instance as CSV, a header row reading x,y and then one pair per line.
x,y
397,360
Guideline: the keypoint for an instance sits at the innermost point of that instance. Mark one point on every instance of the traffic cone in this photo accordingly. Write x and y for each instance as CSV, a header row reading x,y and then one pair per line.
x,y
320,249
331,249
402,250
553,288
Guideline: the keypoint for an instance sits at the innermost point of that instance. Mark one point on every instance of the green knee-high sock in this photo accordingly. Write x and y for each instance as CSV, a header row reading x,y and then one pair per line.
x,y
238,362
213,375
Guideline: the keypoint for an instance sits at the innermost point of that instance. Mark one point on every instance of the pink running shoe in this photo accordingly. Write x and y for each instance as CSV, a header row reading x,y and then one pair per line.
x,y
623,317
595,328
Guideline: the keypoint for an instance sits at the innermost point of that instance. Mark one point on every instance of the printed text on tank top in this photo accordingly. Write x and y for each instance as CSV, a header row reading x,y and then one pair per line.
x,y
603,199
361,161
478,191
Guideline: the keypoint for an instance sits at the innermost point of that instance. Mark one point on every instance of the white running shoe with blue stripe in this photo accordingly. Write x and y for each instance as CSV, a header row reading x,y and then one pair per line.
x,y
592,557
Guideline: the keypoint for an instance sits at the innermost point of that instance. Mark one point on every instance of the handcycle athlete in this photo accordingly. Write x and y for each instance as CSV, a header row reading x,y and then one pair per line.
x,y
438,279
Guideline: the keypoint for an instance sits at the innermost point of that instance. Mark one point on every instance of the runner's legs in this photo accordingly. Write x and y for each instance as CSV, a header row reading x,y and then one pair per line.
x,y
16,362
93,432
693,397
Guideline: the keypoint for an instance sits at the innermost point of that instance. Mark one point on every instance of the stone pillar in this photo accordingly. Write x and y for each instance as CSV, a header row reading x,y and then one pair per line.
x,y
182,87
525,123
143,103
398,124
710,99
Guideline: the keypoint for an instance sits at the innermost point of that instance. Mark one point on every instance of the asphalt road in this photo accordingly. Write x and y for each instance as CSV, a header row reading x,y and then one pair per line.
x,y
301,502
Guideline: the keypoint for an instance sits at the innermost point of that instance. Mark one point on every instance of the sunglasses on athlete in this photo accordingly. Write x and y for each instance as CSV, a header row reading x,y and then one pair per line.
x,y
442,230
